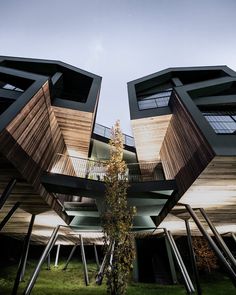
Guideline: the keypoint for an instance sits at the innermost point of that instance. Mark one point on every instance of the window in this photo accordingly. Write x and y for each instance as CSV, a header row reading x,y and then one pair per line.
x,y
156,100
222,122
12,87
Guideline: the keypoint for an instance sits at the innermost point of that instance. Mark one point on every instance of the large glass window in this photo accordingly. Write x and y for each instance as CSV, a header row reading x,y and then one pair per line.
x,y
222,122
156,100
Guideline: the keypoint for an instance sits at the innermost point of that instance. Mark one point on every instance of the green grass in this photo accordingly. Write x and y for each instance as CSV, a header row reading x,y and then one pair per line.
x,y
70,282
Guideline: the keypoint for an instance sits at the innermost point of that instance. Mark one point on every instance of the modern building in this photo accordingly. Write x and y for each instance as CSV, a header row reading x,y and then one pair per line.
x,y
186,118
52,151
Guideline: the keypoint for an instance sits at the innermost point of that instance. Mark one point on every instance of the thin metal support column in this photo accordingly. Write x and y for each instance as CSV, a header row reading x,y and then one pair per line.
x,y
25,261
70,256
6,193
96,256
49,262
219,239
86,278
135,263
112,254
217,251
9,215
233,236
24,256
44,255
171,262
193,258
100,274
188,283
57,255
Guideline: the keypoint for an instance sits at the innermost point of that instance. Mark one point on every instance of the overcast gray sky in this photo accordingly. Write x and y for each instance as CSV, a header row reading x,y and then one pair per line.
x,y
120,40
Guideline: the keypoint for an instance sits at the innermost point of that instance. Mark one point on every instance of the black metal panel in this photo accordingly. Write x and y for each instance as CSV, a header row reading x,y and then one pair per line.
x,y
72,185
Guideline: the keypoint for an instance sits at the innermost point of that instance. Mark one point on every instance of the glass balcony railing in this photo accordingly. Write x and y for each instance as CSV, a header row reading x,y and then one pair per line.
x,y
96,170
156,100
106,132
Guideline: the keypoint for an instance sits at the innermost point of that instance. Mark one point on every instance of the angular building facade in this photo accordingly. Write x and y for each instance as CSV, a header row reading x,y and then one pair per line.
x,y
52,152
47,108
186,118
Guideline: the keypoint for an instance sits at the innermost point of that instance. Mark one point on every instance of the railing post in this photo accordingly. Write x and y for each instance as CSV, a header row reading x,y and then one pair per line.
x,y
7,191
212,244
23,257
193,259
219,239
9,215
44,255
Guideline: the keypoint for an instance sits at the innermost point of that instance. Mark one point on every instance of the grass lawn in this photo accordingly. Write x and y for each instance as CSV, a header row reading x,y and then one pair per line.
x,y
69,282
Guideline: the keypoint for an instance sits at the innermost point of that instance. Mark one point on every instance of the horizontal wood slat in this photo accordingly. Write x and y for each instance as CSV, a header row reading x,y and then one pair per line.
x,y
149,134
76,127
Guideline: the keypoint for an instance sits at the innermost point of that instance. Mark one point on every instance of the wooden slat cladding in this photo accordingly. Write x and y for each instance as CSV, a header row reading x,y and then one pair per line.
x,y
76,127
31,140
185,152
149,134
23,192
215,188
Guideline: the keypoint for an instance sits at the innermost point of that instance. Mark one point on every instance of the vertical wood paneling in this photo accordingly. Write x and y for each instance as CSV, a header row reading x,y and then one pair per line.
x,y
31,140
185,152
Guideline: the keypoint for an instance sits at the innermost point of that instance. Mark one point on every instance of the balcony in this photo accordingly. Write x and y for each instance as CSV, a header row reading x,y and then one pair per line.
x,y
106,132
96,170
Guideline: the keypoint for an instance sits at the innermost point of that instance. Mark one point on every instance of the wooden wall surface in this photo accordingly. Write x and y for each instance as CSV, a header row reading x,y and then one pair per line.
x,y
30,142
149,134
204,180
185,152
28,147
76,128
215,188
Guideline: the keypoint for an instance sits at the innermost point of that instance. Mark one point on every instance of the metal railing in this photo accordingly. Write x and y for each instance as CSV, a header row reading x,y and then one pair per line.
x,y
96,170
106,132
157,100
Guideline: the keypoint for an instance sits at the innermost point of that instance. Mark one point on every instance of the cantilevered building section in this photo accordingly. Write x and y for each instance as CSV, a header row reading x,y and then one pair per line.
x,y
186,118
47,112
51,145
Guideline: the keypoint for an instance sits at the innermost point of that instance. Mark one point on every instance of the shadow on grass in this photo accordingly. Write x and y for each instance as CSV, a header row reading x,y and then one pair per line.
x,y
70,282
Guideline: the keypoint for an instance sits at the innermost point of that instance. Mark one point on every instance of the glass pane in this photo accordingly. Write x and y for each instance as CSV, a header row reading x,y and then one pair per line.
x,y
147,104
129,141
222,122
99,129
162,102
9,87
108,133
